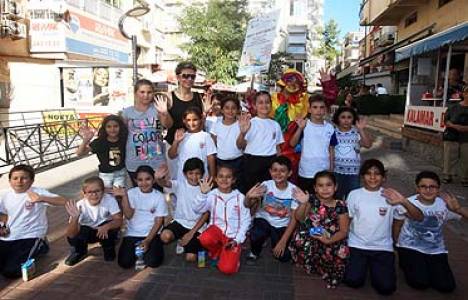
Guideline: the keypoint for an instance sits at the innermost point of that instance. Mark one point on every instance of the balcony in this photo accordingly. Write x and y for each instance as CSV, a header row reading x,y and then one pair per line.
x,y
98,8
387,12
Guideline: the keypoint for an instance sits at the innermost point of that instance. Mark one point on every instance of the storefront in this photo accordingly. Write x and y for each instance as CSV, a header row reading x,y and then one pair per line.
x,y
438,67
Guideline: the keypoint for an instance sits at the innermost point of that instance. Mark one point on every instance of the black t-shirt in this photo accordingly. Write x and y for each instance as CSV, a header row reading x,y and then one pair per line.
x,y
458,114
177,110
111,155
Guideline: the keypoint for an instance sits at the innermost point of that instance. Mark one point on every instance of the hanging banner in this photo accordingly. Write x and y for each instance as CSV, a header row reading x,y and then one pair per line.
x,y
258,44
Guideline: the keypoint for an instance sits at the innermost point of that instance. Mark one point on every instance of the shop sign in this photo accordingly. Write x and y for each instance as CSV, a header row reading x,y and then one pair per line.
x,y
425,117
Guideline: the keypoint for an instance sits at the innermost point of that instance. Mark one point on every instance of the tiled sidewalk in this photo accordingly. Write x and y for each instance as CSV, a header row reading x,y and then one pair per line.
x,y
95,279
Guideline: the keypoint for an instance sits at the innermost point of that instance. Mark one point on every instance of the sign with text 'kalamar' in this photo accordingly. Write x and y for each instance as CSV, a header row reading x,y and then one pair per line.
x,y
426,117
258,44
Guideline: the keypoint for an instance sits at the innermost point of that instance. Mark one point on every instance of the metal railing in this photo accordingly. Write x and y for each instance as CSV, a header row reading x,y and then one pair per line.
x,y
42,145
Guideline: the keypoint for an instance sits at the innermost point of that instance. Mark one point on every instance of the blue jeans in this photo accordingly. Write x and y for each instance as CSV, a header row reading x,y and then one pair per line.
x,y
346,183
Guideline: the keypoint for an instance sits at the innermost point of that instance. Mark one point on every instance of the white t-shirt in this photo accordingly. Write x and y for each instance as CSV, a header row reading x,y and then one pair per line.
x,y
200,145
371,220
148,207
381,91
277,204
426,236
226,136
26,220
210,122
315,153
186,194
95,215
263,137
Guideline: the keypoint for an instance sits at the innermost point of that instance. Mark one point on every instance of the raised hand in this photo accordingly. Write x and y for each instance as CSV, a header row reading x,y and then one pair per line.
x,y
324,74
244,123
34,197
119,191
72,210
160,103
257,191
161,172
86,133
393,197
451,201
361,123
179,135
206,184
207,101
300,196
301,123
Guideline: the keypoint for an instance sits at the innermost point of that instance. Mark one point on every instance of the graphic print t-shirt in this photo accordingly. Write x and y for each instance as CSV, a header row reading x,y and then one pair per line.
x,y
277,204
145,144
347,152
426,236
111,155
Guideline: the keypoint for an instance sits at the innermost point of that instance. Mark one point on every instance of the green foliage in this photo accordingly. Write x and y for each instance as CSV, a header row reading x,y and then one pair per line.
x,y
329,42
380,105
216,31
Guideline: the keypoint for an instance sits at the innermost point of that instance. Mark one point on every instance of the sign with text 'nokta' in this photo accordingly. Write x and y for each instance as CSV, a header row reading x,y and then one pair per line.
x,y
258,44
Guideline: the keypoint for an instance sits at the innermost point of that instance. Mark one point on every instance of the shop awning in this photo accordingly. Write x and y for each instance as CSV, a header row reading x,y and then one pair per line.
x,y
452,35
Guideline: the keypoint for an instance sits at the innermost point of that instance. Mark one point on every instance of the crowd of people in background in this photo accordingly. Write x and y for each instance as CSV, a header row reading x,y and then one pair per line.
x,y
229,185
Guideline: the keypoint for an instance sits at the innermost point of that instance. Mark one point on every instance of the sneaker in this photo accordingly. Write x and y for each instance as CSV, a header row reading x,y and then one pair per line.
x,y
74,258
109,254
251,259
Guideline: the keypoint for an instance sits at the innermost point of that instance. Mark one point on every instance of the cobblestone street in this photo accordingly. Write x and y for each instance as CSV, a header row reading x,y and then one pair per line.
x,y
175,279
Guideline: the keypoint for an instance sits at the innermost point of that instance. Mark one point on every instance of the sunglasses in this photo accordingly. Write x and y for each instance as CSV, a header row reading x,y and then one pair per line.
x,y
188,76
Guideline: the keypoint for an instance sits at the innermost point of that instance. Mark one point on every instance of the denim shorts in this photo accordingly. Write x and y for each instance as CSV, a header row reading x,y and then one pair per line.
x,y
116,178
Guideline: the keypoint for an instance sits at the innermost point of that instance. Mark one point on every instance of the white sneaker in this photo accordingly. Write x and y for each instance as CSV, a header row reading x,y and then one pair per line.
x,y
251,259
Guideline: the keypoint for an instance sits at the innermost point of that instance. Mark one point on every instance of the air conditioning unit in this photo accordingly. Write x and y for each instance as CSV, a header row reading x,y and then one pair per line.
x,y
12,29
12,10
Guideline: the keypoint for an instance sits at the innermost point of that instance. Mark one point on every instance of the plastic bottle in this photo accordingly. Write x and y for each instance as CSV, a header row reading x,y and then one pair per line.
x,y
179,248
201,259
139,253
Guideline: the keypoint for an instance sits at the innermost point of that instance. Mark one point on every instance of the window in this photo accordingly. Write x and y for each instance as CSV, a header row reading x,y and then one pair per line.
x,y
413,18
300,66
443,2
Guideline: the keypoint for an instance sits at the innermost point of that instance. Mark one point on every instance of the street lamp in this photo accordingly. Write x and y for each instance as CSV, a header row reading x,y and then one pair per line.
x,y
135,12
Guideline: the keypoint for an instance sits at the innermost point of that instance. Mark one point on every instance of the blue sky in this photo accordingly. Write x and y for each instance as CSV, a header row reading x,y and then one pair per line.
x,y
344,12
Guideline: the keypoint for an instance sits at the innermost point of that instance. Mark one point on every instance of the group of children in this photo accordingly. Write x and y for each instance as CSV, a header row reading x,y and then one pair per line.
x,y
232,184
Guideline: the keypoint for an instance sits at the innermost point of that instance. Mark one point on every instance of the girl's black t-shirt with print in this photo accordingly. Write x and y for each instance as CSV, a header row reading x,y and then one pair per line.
x,y
177,111
111,155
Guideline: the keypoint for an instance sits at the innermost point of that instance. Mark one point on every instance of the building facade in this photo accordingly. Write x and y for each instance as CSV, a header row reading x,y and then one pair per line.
x,y
76,56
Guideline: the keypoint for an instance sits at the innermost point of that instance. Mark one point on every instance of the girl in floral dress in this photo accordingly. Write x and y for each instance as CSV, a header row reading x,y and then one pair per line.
x,y
324,254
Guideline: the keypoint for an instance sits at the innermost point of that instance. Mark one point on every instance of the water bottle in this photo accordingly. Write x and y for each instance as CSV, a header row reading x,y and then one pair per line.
x,y
139,253
201,259
179,248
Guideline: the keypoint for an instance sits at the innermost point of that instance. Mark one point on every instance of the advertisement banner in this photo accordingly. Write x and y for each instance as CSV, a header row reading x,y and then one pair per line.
x,y
258,44
426,117
98,86
61,122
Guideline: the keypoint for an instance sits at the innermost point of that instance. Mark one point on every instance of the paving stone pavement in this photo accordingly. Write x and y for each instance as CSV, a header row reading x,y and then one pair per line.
x,y
95,279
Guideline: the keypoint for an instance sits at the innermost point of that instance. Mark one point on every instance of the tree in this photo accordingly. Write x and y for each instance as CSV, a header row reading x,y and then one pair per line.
x,y
216,31
329,42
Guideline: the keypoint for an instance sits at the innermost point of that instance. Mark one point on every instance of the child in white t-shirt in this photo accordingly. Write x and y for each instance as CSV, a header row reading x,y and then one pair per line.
x,y
186,224
421,248
95,218
261,137
193,142
23,211
215,114
225,133
274,217
144,208
318,139
229,220
371,210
